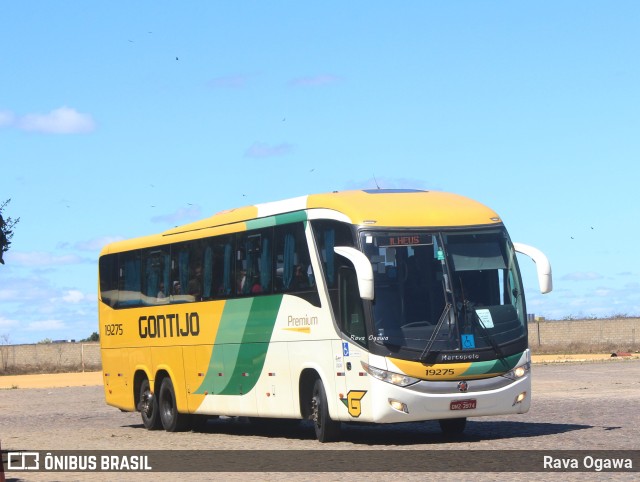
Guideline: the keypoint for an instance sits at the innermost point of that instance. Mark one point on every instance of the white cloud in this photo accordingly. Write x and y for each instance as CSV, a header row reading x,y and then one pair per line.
x,y
8,294
64,120
386,183
582,276
46,325
230,81
73,296
28,290
65,298
7,118
181,215
315,80
602,292
41,258
260,149
96,244
7,323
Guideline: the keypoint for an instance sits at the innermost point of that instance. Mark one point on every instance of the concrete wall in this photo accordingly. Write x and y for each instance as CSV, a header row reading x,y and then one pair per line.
x,y
58,356
624,333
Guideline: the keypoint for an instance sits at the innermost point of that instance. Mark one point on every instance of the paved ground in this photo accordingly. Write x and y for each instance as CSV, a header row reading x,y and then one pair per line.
x,y
576,406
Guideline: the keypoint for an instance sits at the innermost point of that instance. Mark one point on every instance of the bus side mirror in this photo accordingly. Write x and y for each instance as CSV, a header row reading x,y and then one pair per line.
x,y
542,265
364,271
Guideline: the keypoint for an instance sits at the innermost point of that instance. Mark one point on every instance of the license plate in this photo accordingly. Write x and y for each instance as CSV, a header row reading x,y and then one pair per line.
x,y
463,404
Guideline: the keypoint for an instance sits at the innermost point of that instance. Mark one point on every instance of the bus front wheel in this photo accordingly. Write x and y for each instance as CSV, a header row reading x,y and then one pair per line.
x,y
326,429
148,407
172,420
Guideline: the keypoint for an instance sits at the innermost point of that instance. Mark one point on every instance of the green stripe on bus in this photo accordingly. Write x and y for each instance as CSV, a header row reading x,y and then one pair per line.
x,y
289,218
241,345
277,220
234,321
493,366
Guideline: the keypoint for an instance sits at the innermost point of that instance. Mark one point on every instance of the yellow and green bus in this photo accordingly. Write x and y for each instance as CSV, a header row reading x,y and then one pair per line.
x,y
376,306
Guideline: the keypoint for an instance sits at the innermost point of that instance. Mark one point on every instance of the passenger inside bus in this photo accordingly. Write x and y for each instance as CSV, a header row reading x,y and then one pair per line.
x,y
195,284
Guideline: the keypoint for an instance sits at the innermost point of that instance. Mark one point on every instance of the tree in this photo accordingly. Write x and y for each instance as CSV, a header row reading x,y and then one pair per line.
x,y
6,230
94,337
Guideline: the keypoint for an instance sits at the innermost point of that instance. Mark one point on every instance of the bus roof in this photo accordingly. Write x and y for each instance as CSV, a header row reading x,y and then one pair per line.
x,y
376,207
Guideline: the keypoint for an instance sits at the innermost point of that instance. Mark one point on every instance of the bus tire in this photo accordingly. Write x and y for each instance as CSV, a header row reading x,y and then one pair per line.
x,y
172,420
327,430
148,406
452,427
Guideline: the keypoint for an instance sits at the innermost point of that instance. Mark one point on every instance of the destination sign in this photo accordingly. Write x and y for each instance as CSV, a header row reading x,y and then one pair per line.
x,y
404,240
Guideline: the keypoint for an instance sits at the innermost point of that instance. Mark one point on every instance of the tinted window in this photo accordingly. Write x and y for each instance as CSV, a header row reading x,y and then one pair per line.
x,y
244,264
129,279
253,263
328,235
109,279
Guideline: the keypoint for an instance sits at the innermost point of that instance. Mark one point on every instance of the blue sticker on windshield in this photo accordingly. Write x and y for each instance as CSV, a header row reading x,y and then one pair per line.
x,y
468,341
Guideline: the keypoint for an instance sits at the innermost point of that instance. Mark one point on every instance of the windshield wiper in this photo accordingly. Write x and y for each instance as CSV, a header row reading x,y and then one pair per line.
x,y
443,317
488,336
466,305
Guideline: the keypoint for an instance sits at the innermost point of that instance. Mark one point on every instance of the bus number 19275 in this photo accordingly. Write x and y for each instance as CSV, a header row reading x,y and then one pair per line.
x,y
439,372
113,329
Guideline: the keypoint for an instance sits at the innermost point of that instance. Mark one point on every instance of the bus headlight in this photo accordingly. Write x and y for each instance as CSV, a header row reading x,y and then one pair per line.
x,y
389,377
518,372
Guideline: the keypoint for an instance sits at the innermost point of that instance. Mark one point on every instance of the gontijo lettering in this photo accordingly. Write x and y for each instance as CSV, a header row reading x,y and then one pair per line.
x,y
170,325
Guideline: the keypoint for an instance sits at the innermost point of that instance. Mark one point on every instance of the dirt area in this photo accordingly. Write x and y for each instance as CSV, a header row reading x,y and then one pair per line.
x,y
53,380
589,357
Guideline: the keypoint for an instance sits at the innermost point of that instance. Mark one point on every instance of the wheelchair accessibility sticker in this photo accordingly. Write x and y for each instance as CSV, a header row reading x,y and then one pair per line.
x,y
345,348
468,342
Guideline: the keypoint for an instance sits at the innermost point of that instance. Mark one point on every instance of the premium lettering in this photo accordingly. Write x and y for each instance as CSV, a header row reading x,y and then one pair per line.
x,y
302,321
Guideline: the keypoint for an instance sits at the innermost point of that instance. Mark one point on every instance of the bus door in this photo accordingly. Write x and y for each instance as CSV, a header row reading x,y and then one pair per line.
x,y
351,381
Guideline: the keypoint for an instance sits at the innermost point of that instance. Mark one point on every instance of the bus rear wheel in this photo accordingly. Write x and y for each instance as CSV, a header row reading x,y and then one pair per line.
x,y
148,407
172,420
452,427
326,429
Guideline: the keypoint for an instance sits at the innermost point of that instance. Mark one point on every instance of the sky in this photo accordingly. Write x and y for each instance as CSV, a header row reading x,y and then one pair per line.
x,y
122,119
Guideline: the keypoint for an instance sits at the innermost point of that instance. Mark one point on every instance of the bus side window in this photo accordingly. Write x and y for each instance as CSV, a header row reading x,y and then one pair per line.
x,y
253,263
328,235
155,279
207,272
195,283
129,280
186,272
292,263
222,283
109,279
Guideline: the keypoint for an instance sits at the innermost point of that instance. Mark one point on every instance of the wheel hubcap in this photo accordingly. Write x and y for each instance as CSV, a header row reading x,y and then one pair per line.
x,y
315,412
145,406
147,403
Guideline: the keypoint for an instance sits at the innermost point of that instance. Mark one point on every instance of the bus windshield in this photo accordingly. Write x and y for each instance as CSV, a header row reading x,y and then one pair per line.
x,y
442,292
